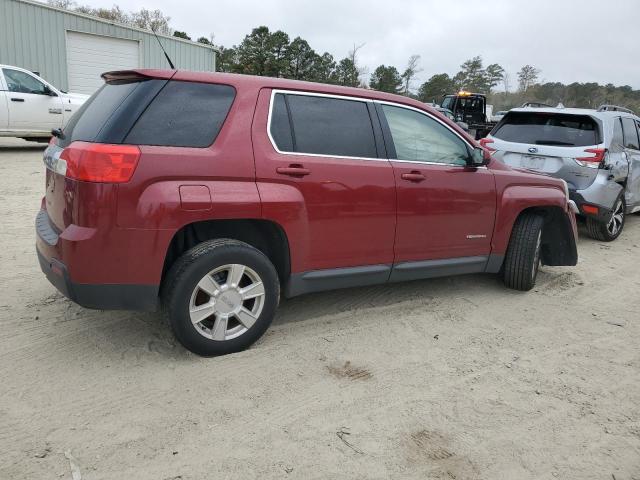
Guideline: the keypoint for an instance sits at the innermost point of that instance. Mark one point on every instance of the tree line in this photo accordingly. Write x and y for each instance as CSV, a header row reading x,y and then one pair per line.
x,y
275,54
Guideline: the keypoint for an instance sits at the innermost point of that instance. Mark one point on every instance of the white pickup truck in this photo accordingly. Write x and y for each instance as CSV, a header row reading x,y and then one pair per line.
x,y
30,107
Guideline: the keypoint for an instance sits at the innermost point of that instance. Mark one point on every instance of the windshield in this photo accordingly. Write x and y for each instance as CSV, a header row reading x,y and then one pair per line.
x,y
548,129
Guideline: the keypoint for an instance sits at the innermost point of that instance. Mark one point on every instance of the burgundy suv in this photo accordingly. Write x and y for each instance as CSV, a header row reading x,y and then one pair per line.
x,y
211,193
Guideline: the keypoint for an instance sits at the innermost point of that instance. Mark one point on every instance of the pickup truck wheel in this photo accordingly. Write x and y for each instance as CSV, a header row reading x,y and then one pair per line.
x,y
611,229
221,297
523,254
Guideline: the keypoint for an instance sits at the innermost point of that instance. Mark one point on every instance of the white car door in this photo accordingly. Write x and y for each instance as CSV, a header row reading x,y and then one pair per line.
x,y
4,112
4,109
33,107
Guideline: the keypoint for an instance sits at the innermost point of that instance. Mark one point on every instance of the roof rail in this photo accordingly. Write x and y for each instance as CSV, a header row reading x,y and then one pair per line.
x,y
614,108
535,105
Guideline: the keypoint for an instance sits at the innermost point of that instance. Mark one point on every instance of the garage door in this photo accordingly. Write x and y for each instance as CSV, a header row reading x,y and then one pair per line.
x,y
88,56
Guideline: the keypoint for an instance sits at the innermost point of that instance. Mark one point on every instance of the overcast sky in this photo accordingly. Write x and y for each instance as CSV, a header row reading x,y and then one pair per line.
x,y
568,40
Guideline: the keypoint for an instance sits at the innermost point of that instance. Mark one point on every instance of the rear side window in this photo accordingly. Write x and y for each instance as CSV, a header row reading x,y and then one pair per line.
x,y
541,128
183,114
323,126
630,133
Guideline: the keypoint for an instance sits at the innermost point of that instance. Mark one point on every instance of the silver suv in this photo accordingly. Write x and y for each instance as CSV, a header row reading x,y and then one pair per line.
x,y
597,152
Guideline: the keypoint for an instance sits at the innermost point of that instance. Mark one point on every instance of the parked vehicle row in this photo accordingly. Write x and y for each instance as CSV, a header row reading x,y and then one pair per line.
x,y
597,152
30,107
213,193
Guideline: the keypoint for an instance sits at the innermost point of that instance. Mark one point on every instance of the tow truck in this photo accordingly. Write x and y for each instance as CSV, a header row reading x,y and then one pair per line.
x,y
472,109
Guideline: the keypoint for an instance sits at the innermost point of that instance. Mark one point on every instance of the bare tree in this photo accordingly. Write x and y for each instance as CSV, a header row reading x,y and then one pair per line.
x,y
66,4
410,72
152,20
506,81
353,57
527,76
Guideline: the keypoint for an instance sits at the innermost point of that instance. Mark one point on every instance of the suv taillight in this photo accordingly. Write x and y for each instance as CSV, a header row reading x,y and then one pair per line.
x,y
99,162
593,161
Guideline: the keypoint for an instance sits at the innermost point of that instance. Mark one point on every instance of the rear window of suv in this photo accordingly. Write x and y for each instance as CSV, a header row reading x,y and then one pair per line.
x,y
540,128
152,112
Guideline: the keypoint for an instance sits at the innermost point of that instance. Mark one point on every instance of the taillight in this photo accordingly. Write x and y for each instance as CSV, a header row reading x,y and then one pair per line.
x,y
592,161
591,209
484,143
98,162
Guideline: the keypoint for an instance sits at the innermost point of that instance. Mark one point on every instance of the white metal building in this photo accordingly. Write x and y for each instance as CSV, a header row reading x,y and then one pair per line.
x,y
71,50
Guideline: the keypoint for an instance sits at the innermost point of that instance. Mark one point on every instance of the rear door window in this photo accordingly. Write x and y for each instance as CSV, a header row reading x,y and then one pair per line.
x,y
184,114
540,128
280,127
323,126
630,133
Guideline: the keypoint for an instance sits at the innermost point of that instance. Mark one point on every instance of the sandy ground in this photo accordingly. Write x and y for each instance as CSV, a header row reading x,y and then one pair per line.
x,y
455,378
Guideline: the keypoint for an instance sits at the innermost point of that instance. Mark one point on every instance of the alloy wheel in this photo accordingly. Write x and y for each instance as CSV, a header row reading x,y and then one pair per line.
x,y
226,302
536,256
617,218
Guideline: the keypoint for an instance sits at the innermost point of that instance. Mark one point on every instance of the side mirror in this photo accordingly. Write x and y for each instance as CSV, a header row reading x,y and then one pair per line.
x,y
479,157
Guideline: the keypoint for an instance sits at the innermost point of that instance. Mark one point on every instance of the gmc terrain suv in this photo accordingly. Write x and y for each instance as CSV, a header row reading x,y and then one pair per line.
x,y
597,152
211,193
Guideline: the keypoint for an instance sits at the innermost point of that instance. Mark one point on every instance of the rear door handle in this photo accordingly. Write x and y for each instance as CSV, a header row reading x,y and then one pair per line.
x,y
293,171
17,99
414,176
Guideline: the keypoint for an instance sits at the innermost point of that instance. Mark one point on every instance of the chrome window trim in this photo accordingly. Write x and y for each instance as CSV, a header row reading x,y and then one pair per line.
x,y
275,91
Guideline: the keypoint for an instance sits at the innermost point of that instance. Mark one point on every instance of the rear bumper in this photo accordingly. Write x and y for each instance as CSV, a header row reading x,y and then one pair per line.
x,y
101,297
602,193
58,255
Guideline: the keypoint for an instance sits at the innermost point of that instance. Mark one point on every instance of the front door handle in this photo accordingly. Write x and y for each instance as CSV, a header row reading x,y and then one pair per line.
x,y
293,170
17,99
414,176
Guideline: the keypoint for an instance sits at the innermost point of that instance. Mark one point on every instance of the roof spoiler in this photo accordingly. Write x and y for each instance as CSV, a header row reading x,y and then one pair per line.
x,y
124,76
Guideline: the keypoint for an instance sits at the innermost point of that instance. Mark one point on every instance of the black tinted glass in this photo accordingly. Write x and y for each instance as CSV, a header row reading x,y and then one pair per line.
x,y
280,127
630,134
548,129
88,121
184,114
332,126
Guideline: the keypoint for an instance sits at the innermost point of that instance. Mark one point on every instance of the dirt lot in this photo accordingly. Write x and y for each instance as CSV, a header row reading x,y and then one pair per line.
x,y
454,378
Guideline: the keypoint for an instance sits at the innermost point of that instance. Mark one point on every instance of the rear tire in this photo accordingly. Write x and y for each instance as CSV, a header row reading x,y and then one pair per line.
x,y
610,229
221,297
523,254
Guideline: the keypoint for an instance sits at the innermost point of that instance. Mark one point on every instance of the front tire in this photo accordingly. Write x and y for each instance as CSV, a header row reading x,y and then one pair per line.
x,y
221,297
610,229
522,261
